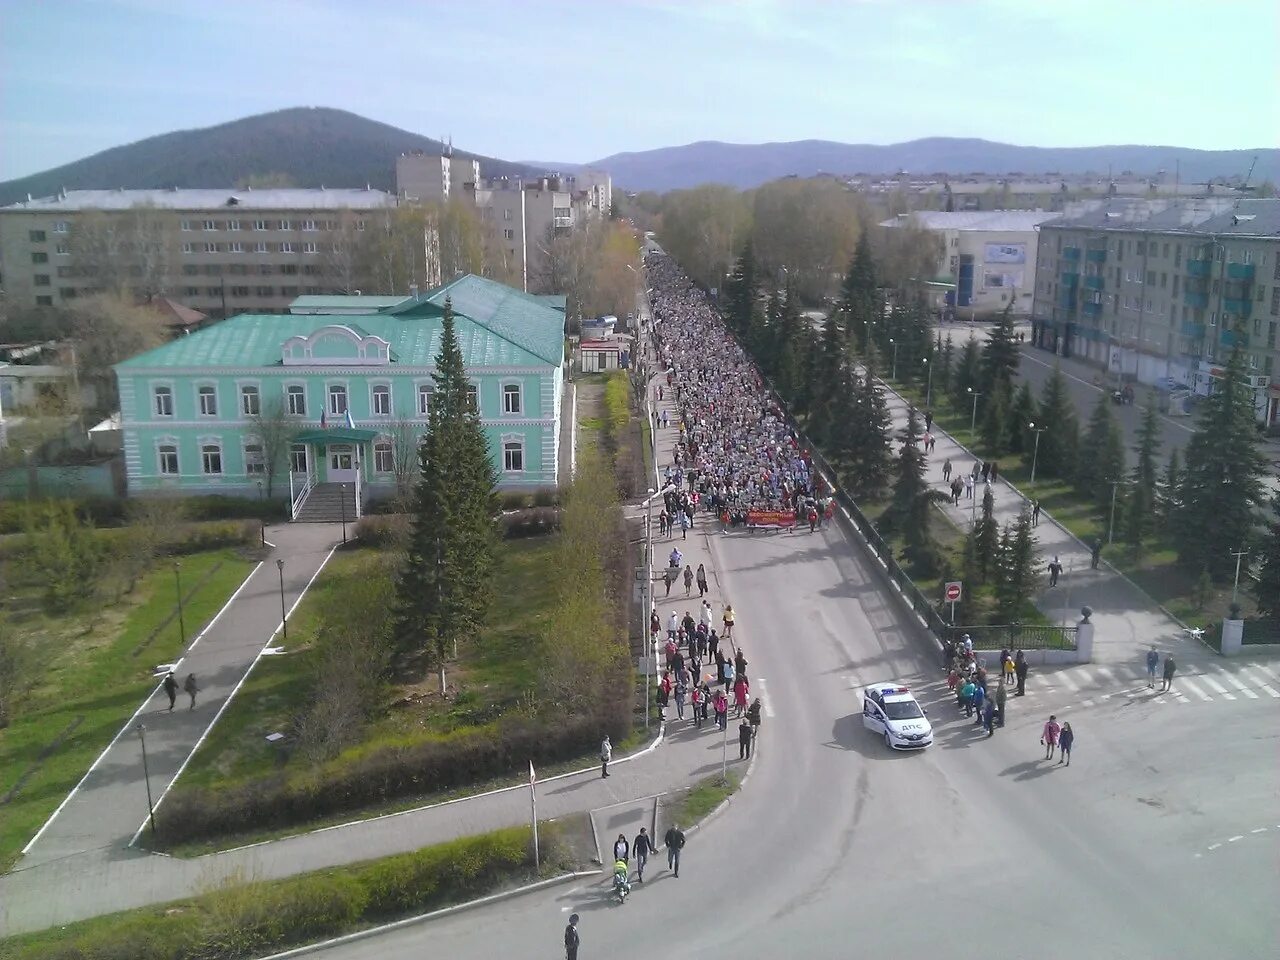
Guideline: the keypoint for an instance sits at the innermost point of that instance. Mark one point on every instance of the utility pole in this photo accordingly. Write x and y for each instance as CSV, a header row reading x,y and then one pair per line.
x,y
1235,587
1035,454
973,417
1111,525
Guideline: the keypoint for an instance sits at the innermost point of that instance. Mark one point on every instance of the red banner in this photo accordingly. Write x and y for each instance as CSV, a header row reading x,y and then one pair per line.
x,y
771,518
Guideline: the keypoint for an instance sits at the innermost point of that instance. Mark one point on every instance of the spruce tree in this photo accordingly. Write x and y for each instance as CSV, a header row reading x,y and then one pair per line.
x,y
872,468
1221,488
996,421
740,290
1000,355
945,369
1022,412
985,537
910,506
828,378
1141,506
1170,487
1101,460
1059,442
968,373
1020,569
443,591
858,293
1266,589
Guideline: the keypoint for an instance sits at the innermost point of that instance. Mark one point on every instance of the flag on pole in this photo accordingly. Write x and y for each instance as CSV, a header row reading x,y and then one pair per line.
x,y
323,420
350,422
533,778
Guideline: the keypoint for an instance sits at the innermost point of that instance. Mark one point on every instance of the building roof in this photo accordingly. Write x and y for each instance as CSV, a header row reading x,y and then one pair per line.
x,y
989,221
1207,216
217,198
557,300
496,326
346,303
177,315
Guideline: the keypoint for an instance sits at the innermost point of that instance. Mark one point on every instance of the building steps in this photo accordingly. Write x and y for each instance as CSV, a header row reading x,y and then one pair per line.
x,y
325,504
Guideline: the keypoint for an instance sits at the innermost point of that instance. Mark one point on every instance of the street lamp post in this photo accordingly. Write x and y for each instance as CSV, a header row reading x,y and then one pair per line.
x,y
343,500
284,616
973,417
648,589
1035,453
1235,588
1111,524
928,389
146,775
894,372
182,623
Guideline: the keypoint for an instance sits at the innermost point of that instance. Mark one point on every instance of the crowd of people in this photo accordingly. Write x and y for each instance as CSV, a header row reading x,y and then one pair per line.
x,y
737,456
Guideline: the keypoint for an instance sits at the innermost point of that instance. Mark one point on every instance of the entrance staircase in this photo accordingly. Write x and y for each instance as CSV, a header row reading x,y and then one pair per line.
x,y
324,504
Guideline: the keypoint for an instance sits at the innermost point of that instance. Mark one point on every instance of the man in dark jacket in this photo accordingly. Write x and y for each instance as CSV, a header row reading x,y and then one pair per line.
x,y
171,689
744,740
641,847
1020,671
571,939
1169,667
674,841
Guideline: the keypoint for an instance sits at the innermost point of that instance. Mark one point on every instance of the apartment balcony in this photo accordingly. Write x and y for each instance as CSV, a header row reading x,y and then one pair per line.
x,y
1194,298
1238,307
1093,282
562,222
1071,253
1070,278
1199,268
1067,298
1096,256
1240,271
1091,309
1232,338
1193,331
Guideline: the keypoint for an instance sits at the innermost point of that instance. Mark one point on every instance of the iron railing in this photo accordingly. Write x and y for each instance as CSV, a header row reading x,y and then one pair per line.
x,y
1016,636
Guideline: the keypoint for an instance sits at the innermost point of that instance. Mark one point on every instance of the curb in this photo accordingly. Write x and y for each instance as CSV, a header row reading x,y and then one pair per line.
x,y
727,801
423,917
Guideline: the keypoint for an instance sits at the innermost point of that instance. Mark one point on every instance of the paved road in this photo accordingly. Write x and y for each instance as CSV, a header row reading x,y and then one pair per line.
x,y
976,848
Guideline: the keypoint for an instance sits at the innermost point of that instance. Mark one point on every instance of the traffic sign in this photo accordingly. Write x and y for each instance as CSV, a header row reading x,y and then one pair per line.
x,y
952,591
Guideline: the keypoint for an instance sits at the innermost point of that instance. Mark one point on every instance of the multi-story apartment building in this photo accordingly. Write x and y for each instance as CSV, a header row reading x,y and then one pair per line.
x,y
985,260
220,251
1161,291
424,177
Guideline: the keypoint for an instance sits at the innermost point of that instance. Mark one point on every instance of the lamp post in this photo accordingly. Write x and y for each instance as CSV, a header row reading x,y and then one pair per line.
x,y
343,499
1111,524
1035,454
1235,588
928,389
259,483
973,417
146,775
648,588
894,372
284,616
182,623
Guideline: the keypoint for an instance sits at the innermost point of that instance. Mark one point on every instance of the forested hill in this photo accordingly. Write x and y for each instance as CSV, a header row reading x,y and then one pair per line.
x,y
301,147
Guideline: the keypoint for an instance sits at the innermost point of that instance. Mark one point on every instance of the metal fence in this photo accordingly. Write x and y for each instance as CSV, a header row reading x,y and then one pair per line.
x,y
1260,631
1016,636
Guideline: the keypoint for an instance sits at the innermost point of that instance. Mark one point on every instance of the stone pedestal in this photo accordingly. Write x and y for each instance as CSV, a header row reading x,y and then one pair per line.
x,y
1084,641
1232,637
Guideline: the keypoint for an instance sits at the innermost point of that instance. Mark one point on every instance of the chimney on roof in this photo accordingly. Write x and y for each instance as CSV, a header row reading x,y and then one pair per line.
x,y
413,291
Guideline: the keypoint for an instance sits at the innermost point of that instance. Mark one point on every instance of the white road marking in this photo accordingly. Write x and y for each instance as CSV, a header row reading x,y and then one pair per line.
x,y
1260,683
1071,684
1238,836
1265,669
1214,846
1217,686
1086,703
765,702
1159,700
1259,830
1231,679
1110,678
1196,690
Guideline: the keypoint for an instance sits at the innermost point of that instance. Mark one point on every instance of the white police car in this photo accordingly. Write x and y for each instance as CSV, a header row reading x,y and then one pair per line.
x,y
890,710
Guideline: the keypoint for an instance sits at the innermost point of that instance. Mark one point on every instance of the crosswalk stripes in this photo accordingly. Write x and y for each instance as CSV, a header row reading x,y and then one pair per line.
x,y
1260,682
1267,671
1231,679
1190,685
1217,687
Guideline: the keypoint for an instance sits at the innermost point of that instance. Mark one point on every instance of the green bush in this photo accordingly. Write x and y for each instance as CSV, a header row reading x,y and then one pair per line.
x,y
213,535
363,777
547,497
532,522
114,511
250,919
380,530
383,530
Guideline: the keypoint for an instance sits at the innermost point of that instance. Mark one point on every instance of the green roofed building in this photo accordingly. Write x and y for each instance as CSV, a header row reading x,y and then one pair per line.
x,y
328,407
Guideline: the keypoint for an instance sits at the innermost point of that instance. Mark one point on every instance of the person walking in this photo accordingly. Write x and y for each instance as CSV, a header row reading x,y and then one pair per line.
x,y
673,626
1020,670
721,706
642,846
1001,695
571,939
191,688
968,487
995,471
688,580
1153,660
674,841
986,472
1035,513
170,688
946,470
621,849
1169,668
928,419
662,524
979,696
696,700
1055,571
680,693
966,697
606,754
744,740
684,525
704,612
1066,737
1095,556
702,580
1050,736
740,688
753,717
728,619
740,664
989,716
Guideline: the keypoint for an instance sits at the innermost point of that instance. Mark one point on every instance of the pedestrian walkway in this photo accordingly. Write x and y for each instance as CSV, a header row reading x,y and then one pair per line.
x,y
1125,618
86,869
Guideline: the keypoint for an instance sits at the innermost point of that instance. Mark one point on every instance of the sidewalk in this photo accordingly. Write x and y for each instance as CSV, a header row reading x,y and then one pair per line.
x,y
98,875
1127,621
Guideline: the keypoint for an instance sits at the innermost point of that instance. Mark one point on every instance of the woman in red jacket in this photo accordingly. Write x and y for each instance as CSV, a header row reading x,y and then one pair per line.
x,y
740,690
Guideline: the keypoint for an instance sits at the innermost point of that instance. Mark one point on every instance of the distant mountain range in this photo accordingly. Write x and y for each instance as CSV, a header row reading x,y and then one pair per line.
x,y
310,146
746,165
320,146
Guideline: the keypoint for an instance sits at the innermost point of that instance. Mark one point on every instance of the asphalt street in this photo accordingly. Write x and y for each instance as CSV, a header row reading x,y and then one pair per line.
x,y
974,848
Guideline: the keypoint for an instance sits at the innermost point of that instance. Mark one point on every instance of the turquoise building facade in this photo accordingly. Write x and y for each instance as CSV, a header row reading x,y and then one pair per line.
x,y
352,389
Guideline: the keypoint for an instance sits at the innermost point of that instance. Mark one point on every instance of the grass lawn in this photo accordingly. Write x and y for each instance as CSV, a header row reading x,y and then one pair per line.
x,y
95,669
701,799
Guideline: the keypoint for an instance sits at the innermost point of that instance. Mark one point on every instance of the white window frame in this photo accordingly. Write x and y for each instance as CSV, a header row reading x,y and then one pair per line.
x,y
246,391
359,224
260,247
329,396
235,247
186,226
308,226
255,465
427,391
505,389
233,225
62,250
155,399
285,225
200,395
260,225
473,395
289,394
163,446
517,441
211,225
210,248
188,248
293,457
384,445
377,390
214,443
286,247
61,227
309,247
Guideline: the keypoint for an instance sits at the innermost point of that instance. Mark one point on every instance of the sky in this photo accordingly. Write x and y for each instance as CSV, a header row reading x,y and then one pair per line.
x,y
579,80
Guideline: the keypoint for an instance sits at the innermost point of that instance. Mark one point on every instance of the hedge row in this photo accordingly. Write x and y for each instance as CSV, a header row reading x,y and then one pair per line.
x,y
185,539
260,917
114,511
381,530
364,777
